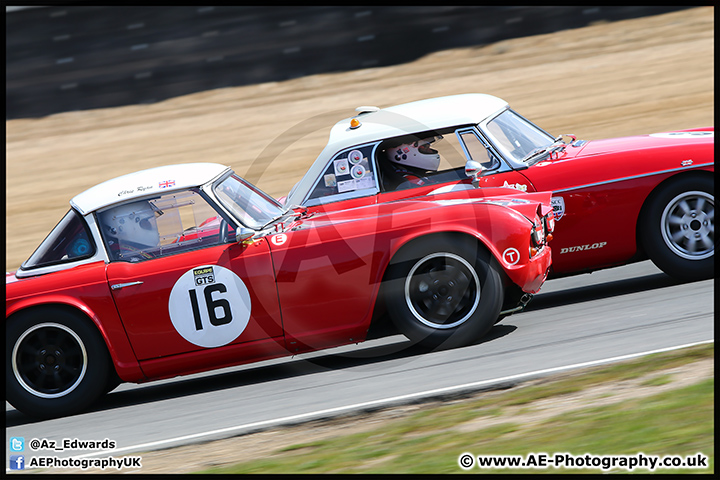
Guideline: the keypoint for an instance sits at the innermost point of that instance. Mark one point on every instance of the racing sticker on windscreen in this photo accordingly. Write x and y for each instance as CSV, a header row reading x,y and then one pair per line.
x,y
209,306
346,186
355,156
341,167
357,171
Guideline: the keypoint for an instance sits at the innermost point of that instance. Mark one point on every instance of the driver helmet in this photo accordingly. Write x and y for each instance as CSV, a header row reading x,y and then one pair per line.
x,y
418,154
133,222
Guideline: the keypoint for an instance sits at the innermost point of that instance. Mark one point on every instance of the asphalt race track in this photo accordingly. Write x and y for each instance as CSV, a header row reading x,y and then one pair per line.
x,y
586,318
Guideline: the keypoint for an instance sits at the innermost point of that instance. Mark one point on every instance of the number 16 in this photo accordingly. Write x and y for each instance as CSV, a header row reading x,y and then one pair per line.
x,y
211,306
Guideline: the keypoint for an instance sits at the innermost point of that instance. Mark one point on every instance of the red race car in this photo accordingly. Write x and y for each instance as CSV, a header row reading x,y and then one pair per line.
x,y
657,189
186,268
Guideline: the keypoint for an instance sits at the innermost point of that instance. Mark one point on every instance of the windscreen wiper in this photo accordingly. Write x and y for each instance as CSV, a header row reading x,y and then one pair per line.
x,y
556,146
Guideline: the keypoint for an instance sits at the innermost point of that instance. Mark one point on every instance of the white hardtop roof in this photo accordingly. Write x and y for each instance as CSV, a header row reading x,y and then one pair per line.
x,y
408,118
146,182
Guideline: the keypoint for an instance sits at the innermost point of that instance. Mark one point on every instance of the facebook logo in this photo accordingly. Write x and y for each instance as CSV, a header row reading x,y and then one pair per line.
x,y
17,462
17,444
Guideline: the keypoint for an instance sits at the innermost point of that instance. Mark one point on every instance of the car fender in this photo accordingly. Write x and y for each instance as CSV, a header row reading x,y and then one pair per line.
x,y
497,226
110,327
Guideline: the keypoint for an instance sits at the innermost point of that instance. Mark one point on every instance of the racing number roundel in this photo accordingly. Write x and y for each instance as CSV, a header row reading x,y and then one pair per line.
x,y
209,306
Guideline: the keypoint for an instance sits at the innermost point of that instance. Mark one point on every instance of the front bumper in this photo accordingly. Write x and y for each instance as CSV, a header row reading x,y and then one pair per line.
x,y
530,276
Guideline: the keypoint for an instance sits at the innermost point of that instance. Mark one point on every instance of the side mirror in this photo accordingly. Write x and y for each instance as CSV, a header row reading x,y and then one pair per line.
x,y
244,235
474,170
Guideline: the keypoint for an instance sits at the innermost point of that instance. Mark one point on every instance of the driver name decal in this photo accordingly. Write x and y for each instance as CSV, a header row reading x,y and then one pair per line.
x,y
209,306
516,186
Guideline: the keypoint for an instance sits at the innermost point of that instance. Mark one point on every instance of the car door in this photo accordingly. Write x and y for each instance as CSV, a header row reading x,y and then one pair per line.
x,y
192,291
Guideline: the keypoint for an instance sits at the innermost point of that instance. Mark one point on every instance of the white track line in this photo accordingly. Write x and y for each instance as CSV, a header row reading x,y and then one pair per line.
x,y
385,402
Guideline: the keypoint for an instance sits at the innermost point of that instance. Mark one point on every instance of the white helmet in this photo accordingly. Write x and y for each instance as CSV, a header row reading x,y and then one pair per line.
x,y
132,222
417,154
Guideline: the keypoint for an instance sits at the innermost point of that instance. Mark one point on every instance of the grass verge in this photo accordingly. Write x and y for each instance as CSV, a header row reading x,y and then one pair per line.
x,y
678,421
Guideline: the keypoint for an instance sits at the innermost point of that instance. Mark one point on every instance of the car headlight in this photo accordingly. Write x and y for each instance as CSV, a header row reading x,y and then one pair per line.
x,y
549,220
537,233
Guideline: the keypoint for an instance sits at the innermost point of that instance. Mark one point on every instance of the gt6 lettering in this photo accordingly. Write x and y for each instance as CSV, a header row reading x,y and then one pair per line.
x,y
581,248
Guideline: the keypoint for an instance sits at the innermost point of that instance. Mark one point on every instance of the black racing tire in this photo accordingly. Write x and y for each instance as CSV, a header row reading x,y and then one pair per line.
x,y
113,381
443,292
56,362
677,230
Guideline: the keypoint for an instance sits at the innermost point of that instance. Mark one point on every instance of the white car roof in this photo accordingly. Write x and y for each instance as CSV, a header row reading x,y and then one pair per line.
x,y
139,184
413,117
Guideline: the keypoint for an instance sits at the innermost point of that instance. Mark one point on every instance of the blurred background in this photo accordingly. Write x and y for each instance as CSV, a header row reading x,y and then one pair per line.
x,y
97,92
82,57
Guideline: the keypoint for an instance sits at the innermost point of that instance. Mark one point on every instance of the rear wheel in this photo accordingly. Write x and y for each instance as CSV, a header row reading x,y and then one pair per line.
x,y
444,293
678,228
56,363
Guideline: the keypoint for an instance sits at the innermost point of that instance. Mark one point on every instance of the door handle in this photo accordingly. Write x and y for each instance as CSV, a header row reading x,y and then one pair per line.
x,y
118,286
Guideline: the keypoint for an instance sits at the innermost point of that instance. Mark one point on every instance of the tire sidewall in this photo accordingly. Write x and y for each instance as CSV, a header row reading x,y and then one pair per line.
x,y
662,255
484,315
90,387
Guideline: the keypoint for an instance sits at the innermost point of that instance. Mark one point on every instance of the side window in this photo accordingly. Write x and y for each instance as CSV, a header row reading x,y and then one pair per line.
x,y
477,151
350,174
68,241
451,153
427,158
156,227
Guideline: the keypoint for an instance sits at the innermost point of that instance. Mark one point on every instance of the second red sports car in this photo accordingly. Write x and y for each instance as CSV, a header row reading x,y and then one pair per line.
x,y
656,190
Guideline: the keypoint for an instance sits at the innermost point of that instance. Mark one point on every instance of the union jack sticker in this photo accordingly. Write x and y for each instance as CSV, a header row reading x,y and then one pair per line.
x,y
167,184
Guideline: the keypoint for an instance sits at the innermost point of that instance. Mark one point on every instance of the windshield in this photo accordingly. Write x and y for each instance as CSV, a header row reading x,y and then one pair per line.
x,y
253,207
516,137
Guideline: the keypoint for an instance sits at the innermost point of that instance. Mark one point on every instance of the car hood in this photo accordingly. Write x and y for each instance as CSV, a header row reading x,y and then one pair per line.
x,y
680,138
599,161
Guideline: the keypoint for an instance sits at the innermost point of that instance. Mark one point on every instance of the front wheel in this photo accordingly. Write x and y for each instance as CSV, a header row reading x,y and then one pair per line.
x,y
56,363
678,228
444,293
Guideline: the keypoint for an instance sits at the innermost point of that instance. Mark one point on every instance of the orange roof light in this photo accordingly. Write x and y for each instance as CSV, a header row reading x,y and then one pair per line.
x,y
354,123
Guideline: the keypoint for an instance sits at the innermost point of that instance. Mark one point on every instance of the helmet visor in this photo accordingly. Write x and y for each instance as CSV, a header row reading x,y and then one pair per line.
x,y
425,149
